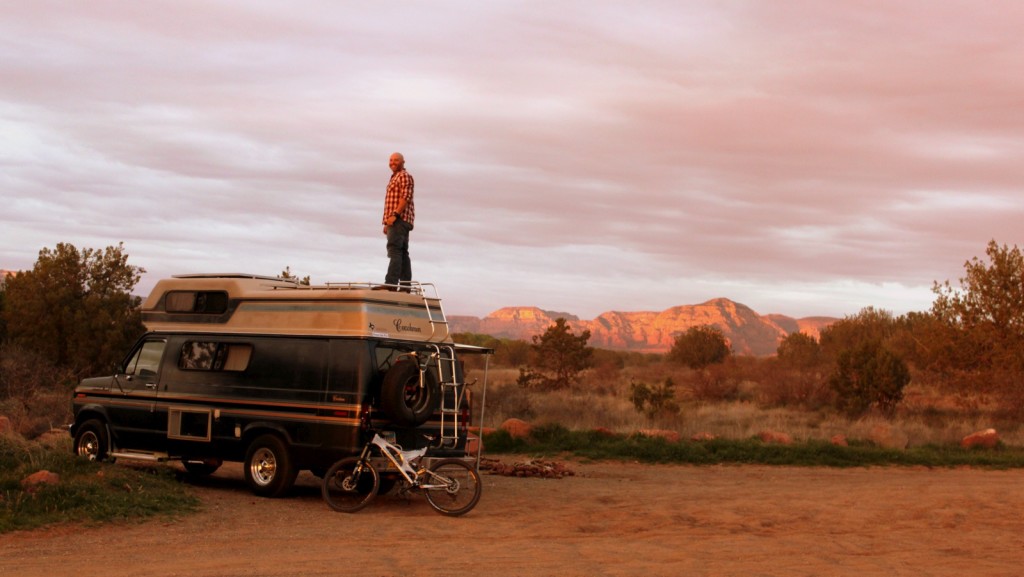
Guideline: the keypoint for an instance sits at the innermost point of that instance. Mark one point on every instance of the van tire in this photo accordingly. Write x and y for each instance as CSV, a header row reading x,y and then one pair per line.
x,y
269,470
404,400
91,440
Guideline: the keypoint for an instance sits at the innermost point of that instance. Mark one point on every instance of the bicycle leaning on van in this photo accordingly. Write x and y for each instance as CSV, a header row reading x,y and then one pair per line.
x,y
451,486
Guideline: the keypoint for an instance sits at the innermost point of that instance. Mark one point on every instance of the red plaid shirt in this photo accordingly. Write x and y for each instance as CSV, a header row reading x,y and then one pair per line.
x,y
400,186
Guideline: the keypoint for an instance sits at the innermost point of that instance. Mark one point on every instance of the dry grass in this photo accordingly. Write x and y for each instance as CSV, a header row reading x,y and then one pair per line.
x,y
926,417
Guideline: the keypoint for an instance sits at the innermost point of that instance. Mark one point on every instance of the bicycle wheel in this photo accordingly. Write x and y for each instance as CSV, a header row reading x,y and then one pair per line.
x,y
350,485
453,487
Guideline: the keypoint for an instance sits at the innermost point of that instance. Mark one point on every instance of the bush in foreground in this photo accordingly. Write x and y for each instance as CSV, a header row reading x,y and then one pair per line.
x,y
87,491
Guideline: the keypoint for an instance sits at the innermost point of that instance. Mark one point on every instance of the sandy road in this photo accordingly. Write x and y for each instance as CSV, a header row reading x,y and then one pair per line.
x,y
611,519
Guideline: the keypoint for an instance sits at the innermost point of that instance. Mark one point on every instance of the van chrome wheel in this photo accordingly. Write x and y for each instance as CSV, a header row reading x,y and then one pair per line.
x,y
263,466
269,469
91,440
89,445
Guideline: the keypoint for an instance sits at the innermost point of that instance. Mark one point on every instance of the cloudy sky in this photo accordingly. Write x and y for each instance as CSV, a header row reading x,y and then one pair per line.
x,y
799,157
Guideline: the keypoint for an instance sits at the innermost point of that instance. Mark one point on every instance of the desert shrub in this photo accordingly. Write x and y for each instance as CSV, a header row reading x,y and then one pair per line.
x,y
34,394
869,376
870,325
714,384
800,351
783,386
654,400
699,347
923,341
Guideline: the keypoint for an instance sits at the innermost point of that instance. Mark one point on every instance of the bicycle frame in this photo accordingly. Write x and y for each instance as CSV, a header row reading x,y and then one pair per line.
x,y
451,485
406,462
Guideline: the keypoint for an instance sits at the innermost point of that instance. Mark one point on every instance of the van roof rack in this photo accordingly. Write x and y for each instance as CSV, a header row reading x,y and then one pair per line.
x,y
237,275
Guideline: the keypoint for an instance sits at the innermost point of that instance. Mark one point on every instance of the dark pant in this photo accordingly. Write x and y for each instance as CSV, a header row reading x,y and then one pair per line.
x,y
400,267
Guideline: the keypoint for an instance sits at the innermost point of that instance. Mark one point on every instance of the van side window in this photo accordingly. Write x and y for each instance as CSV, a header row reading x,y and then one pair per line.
x,y
214,356
146,361
208,302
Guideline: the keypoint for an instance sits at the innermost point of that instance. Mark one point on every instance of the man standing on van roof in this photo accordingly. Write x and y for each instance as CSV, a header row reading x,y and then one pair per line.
x,y
399,213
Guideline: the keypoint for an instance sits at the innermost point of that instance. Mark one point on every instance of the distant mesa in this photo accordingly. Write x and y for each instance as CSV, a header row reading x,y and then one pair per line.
x,y
748,332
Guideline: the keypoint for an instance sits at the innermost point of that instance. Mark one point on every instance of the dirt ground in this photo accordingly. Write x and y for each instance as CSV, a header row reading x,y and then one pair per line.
x,y
610,519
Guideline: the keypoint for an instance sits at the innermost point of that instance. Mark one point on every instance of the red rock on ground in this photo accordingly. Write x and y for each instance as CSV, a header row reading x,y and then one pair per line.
x,y
534,468
987,439
775,437
517,428
32,483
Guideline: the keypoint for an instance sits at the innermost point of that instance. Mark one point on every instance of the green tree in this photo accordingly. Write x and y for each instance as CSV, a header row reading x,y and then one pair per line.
x,y
559,357
924,341
870,324
984,323
799,350
699,347
987,311
869,375
75,308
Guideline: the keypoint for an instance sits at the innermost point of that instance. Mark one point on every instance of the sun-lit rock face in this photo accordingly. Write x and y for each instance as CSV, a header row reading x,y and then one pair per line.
x,y
747,332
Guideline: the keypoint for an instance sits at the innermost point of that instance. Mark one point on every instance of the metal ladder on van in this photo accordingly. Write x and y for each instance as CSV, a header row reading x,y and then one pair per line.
x,y
435,312
451,395
451,399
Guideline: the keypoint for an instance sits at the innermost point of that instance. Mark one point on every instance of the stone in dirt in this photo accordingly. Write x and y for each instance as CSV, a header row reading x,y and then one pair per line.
x,y
517,428
36,480
535,468
987,439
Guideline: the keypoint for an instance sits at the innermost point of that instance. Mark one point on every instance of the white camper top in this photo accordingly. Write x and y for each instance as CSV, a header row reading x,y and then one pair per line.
x,y
252,304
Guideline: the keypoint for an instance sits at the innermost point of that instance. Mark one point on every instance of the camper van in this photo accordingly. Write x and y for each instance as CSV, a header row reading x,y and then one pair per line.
x,y
279,376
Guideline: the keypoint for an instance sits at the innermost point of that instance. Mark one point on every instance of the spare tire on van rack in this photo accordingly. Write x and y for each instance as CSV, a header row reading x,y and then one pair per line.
x,y
408,395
